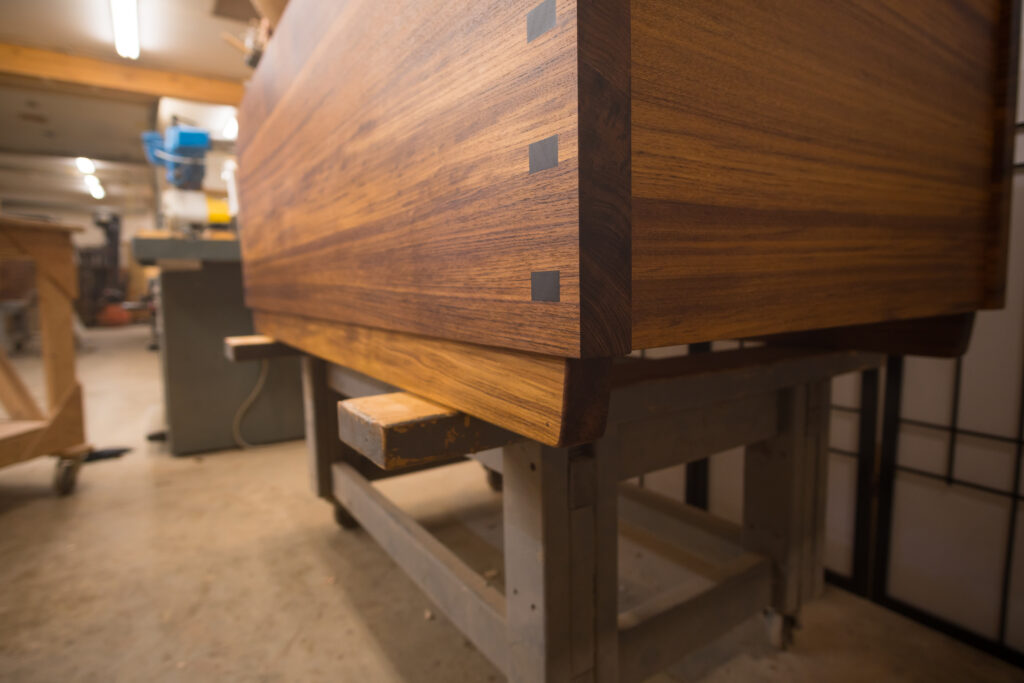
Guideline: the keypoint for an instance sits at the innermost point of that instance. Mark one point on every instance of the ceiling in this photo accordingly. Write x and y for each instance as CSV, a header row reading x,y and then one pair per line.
x,y
175,35
35,121
54,182
61,122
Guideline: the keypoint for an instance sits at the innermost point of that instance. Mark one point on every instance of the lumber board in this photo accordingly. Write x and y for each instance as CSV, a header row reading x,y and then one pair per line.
x,y
398,430
556,401
801,165
446,174
19,60
255,347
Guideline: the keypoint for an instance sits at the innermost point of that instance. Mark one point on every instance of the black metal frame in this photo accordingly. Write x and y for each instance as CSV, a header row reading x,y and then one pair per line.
x,y
866,454
871,557
698,472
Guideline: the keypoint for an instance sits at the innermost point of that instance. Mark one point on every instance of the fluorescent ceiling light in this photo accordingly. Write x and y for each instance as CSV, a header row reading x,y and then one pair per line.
x,y
94,187
230,131
85,165
125,15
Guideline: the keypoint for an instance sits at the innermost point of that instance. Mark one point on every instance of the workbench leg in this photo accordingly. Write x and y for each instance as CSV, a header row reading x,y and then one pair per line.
x,y
560,564
323,443
784,498
57,335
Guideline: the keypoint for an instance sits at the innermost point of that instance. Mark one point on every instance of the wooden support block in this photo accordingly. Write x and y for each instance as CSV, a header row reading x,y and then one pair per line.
x,y
255,347
399,430
475,607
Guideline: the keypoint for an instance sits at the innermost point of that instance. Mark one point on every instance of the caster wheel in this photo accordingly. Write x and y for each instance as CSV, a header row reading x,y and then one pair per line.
x,y
65,475
343,518
495,480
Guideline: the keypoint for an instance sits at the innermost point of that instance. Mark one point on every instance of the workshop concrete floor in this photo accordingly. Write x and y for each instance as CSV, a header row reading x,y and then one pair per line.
x,y
226,568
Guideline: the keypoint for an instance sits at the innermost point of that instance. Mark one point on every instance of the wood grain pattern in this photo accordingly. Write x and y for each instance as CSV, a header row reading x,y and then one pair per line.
x,y
799,164
556,401
399,430
724,170
385,181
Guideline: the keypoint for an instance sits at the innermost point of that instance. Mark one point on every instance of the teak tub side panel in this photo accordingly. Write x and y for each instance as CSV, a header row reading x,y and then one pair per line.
x,y
605,197
410,178
1007,56
799,164
557,401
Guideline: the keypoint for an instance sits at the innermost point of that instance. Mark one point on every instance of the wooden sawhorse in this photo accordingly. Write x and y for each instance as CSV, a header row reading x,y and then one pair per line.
x,y
564,509
31,432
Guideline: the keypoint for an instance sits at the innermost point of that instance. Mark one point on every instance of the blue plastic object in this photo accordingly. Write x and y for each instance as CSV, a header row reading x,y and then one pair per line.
x,y
182,151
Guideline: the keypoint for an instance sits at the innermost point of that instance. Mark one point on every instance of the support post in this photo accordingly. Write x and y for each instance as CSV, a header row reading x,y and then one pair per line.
x,y
320,407
783,510
560,564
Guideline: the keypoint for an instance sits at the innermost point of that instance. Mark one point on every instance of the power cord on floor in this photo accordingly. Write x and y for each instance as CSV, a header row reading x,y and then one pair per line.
x,y
236,425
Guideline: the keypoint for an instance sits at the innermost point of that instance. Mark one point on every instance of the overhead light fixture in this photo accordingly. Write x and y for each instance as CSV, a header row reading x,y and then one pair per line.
x,y
85,165
125,15
92,183
230,131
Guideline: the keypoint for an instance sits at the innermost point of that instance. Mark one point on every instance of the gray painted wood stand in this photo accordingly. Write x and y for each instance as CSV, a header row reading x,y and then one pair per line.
x,y
564,509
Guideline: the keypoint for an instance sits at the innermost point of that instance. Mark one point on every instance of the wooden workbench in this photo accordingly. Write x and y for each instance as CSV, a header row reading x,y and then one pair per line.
x,y
58,430
489,204
520,189
556,611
